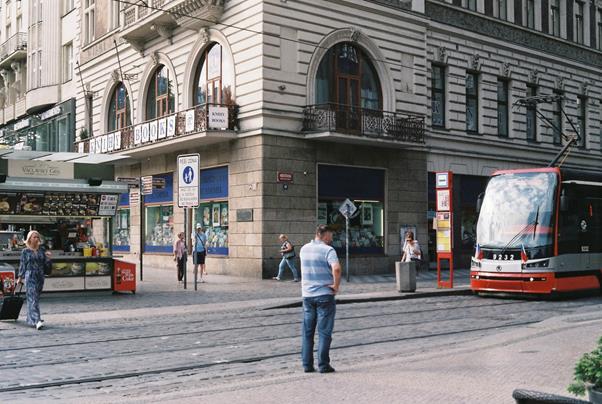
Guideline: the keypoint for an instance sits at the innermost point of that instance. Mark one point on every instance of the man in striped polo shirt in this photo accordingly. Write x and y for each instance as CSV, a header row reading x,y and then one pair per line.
x,y
321,277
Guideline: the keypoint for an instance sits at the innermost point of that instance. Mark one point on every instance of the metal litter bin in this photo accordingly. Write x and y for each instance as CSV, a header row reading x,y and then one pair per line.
x,y
405,275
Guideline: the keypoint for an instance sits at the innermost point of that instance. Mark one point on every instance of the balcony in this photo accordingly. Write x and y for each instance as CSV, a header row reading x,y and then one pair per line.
x,y
182,130
352,124
15,48
143,23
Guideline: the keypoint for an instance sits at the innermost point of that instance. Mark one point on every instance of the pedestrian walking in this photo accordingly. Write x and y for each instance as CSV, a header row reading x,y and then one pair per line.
x,y
35,261
411,249
321,277
200,251
180,255
287,250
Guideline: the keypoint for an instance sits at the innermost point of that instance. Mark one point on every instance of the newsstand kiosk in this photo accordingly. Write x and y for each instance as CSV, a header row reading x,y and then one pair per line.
x,y
72,205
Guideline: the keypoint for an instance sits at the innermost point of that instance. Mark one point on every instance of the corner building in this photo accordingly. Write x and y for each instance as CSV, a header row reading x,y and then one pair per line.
x,y
333,95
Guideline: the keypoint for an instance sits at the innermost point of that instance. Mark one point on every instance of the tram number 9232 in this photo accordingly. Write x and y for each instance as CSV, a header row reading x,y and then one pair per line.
x,y
503,257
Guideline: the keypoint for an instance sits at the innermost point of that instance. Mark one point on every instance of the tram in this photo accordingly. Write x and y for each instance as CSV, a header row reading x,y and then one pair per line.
x,y
539,233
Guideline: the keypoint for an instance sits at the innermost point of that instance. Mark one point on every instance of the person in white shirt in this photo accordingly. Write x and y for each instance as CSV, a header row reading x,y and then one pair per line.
x,y
411,249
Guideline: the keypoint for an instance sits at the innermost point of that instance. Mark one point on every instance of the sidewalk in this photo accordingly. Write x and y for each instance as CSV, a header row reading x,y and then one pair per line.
x,y
160,294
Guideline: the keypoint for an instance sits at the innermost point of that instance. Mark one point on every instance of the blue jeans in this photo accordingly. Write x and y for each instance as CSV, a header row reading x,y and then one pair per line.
x,y
320,311
291,264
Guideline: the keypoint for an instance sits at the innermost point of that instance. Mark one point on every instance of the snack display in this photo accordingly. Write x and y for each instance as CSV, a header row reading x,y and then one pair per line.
x,y
57,204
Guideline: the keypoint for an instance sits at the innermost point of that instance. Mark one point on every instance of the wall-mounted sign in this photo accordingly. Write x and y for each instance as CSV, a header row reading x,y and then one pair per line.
x,y
23,123
218,117
442,180
50,113
40,169
154,129
284,177
108,205
443,199
147,184
134,197
162,129
189,127
244,215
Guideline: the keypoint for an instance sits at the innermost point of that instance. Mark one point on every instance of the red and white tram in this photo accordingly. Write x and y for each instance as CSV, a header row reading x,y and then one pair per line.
x,y
539,232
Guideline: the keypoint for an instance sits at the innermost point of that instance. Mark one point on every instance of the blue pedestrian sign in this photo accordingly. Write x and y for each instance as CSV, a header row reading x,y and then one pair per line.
x,y
188,175
188,180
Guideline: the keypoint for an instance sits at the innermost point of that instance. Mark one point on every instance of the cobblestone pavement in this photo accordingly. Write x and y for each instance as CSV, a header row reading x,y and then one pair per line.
x,y
161,289
236,351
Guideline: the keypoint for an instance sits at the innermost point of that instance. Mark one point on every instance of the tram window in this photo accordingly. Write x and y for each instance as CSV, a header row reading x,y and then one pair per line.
x,y
581,225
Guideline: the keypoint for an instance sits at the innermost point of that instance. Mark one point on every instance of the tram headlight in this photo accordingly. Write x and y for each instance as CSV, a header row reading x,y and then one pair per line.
x,y
538,264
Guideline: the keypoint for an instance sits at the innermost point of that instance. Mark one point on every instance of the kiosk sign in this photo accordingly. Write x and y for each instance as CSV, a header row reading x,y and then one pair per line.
x,y
188,180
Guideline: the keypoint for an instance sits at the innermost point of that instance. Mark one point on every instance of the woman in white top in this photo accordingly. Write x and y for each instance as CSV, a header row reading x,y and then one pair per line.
x,y
411,249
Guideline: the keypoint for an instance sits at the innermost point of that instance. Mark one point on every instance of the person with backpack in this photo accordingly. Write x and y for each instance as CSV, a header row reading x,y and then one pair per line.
x,y
287,250
200,252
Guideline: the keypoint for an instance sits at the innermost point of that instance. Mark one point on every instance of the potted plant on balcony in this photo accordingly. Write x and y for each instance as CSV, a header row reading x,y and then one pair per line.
x,y
588,375
83,134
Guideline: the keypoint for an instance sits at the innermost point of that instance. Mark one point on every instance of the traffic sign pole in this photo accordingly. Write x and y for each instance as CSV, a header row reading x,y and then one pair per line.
x,y
347,243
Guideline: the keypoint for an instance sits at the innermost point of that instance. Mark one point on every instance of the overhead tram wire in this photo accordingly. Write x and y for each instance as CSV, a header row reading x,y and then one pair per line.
x,y
297,41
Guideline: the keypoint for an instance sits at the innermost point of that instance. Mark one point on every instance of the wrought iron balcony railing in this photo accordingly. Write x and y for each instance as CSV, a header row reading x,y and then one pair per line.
x,y
13,44
164,129
363,122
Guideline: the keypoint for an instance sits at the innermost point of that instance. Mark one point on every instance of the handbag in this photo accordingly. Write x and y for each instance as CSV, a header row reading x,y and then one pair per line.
x,y
47,267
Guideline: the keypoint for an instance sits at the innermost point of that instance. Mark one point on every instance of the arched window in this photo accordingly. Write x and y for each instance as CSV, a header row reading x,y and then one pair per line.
x,y
213,78
119,109
160,98
346,76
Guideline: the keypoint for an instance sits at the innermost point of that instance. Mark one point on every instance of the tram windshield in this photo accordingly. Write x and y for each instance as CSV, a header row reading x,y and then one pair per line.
x,y
517,211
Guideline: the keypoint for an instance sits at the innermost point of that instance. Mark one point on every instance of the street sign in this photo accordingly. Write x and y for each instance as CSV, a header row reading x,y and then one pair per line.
x,y
134,197
188,180
158,183
347,208
129,180
147,184
284,177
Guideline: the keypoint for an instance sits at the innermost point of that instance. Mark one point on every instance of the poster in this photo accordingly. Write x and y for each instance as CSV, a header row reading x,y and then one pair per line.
x,y
322,213
216,214
367,214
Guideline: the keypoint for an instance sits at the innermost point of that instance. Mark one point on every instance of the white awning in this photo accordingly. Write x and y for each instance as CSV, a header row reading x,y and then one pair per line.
x,y
84,158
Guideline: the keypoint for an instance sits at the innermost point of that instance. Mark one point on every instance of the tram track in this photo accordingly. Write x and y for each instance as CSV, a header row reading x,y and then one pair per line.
x,y
242,360
247,327
204,334
234,342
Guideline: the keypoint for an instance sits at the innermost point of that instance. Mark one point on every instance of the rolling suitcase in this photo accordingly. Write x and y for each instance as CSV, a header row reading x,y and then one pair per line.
x,y
11,306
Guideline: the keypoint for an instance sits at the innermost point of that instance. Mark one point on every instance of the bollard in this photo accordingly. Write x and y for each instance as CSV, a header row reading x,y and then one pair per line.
x,y
405,275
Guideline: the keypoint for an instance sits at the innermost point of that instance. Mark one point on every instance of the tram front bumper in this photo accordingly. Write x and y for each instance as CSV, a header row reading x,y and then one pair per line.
x,y
509,282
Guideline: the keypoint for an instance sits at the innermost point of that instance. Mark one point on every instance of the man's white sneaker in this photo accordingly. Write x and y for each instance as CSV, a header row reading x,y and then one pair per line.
x,y
39,325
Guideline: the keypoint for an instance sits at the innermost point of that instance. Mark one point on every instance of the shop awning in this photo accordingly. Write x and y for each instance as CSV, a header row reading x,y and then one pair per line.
x,y
85,158
13,184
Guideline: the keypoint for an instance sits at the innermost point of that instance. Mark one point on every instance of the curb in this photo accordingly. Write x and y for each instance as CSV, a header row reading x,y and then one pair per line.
x,y
463,291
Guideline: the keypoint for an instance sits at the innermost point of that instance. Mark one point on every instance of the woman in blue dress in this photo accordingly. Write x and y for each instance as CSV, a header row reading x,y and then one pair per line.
x,y
33,261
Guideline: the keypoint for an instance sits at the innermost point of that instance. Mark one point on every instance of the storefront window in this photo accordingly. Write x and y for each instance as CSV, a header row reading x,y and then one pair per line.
x,y
213,79
159,229
159,226
213,211
121,230
160,98
365,188
214,217
121,225
119,109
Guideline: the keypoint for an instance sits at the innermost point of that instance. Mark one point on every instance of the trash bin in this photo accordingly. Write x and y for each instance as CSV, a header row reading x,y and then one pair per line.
x,y
405,275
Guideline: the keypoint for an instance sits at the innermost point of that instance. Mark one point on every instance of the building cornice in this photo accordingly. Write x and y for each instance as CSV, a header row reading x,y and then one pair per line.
x,y
451,15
